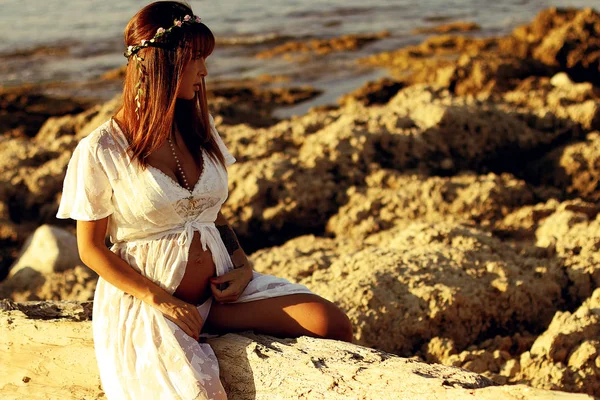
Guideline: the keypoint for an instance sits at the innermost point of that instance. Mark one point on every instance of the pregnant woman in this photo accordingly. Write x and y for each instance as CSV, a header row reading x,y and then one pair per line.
x,y
154,176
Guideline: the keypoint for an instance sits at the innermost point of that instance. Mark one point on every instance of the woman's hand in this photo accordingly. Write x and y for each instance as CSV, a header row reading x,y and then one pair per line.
x,y
183,314
233,283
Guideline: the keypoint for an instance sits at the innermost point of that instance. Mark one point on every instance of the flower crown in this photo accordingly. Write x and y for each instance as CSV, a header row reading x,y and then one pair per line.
x,y
132,51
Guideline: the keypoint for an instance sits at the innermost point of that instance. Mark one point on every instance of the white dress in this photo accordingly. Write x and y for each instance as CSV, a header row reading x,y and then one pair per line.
x,y
141,354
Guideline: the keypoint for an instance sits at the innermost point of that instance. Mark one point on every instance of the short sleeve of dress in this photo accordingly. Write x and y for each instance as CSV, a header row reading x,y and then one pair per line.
x,y
229,158
87,193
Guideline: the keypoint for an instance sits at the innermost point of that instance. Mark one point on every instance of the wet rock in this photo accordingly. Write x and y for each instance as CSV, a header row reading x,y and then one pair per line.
x,y
378,92
298,49
458,26
237,104
475,74
24,109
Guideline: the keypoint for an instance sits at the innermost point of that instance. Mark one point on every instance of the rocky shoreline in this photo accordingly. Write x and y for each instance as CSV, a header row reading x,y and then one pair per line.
x,y
450,209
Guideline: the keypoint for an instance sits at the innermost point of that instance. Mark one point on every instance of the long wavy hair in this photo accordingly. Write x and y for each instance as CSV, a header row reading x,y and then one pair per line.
x,y
160,108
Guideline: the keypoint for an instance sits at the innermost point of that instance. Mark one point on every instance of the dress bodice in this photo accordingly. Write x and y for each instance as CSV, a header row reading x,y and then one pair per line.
x,y
142,203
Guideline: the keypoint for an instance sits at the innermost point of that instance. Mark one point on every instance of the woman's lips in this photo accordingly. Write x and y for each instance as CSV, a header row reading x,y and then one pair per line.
x,y
197,87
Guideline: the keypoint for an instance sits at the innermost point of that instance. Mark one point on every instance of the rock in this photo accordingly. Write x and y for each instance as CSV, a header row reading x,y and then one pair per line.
x,y
490,73
297,173
409,284
33,171
496,358
458,26
378,92
267,97
36,168
573,232
566,355
48,268
569,232
296,50
473,134
464,65
49,249
301,256
574,47
544,22
35,174
392,198
60,49
24,109
44,339
67,125
307,164
578,102
556,40
432,61
574,168
574,91
114,74
438,349
78,283
523,222
233,102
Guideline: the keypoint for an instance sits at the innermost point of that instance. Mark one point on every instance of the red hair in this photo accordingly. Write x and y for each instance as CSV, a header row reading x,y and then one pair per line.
x,y
159,106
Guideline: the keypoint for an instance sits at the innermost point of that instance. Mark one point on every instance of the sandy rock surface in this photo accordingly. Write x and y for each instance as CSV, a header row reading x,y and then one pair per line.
x,y
44,340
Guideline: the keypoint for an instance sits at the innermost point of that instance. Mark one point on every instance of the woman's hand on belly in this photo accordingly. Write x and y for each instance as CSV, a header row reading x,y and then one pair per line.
x,y
235,282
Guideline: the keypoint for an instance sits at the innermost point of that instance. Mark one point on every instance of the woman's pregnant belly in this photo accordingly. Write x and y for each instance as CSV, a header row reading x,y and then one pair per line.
x,y
195,285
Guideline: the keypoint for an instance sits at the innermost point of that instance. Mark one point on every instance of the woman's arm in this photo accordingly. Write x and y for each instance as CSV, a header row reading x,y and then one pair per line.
x,y
237,254
111,267
117,272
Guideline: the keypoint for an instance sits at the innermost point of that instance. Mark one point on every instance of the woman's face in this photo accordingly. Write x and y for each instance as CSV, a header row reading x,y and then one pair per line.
x,y
192,78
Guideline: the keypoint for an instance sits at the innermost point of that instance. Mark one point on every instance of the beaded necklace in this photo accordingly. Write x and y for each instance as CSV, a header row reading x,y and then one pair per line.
x,y
190,198
179,166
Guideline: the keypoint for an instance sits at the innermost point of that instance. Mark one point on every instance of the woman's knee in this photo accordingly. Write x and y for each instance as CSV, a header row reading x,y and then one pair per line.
x,y
331,322
341,327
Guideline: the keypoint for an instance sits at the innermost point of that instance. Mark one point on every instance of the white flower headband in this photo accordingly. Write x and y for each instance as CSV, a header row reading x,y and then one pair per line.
x,y
133,51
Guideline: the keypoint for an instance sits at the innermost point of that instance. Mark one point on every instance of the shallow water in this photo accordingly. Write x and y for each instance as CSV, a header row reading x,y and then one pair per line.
x,y
82,40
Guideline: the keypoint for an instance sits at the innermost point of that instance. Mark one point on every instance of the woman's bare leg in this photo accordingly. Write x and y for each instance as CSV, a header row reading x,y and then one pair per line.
x,y
289,315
